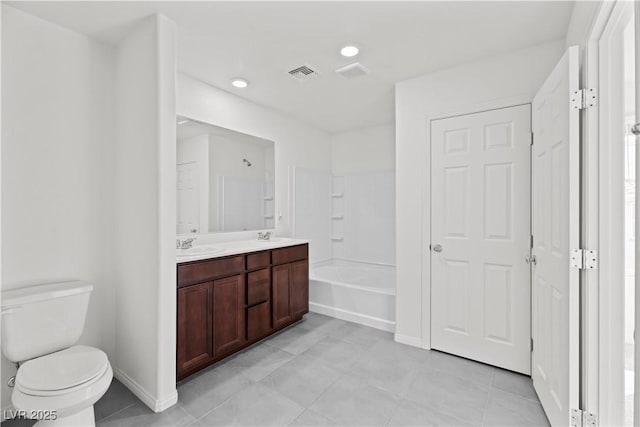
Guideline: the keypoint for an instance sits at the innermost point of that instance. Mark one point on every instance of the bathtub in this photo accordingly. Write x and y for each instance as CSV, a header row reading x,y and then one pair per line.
x,y
354,291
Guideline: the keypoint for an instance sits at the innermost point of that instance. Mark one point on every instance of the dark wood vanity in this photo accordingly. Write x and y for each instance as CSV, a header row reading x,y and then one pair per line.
x,y
226,304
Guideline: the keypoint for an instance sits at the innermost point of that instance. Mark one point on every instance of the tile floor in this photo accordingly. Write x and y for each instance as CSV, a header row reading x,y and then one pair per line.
x,y
325,372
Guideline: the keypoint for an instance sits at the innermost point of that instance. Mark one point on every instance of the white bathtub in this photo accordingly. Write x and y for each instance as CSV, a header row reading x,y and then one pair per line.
x,y
358,292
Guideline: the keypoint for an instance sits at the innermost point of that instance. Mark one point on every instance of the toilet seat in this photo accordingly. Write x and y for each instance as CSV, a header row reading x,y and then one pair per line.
x,y
81,399
62,372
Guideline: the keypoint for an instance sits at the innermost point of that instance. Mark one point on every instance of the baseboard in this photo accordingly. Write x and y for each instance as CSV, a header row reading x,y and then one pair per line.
x,y
351,316
156,405
405,339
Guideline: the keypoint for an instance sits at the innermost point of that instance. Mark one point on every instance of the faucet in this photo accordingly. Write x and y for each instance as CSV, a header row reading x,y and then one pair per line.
x,y
184,244
264,236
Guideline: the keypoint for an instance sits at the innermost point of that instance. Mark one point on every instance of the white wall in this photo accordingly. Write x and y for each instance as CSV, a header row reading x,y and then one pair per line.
x,y
56,162
364,150
296,144
145,217
501,81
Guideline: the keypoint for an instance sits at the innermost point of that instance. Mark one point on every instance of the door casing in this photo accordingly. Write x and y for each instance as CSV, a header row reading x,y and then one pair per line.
x,y
504,102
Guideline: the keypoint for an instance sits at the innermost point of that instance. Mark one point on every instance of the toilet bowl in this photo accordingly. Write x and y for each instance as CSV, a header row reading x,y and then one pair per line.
x,y
57,383
61,388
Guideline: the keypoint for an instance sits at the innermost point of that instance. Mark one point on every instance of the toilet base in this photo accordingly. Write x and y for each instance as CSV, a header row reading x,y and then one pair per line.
x,y
84,418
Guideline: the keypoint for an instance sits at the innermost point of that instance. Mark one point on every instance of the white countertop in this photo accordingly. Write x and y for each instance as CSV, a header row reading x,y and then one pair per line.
x,y
222,249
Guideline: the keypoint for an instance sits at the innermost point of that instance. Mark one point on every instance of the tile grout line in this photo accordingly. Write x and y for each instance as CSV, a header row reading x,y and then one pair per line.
x,y
526,399
486,403
338,378
224,401
347,374
118,411
529,399
193,420
395,410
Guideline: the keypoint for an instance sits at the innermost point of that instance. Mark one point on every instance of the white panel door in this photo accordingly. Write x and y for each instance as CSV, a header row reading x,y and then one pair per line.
x,y
555,292
480,228
187,199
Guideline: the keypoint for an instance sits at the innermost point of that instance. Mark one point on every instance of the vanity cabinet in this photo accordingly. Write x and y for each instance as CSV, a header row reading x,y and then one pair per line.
x,y
226,304
290,284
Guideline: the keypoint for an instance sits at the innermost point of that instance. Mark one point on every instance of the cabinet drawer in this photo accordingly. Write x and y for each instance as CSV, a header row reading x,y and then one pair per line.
x,y
208,270
258,260
258,321
292,253
258,286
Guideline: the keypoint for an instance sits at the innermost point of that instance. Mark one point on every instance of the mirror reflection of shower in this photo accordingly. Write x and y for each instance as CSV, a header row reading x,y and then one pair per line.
x,y
225,179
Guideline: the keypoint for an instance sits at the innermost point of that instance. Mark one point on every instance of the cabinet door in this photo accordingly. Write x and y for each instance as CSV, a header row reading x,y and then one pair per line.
x,y
228,314
195,326
299,289
281,313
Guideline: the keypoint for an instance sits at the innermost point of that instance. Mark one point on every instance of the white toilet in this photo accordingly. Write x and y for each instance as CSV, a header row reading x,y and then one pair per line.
x,y
57,382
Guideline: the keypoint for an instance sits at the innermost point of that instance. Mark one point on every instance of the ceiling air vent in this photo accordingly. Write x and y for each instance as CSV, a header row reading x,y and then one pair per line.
x,y
303,73
353,70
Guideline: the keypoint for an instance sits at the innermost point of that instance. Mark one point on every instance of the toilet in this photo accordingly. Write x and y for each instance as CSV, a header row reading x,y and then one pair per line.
x,y
57,381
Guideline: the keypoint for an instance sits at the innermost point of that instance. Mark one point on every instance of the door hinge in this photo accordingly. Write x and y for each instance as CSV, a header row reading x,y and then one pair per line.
x,y
580,418
584,259
531,142
531,242
583,98
531,345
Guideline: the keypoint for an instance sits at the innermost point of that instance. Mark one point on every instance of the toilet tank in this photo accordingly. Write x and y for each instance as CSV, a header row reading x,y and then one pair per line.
x,y
41,319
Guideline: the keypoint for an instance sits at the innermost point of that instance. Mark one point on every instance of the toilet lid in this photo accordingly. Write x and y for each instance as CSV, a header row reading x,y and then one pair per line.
x,y
62,370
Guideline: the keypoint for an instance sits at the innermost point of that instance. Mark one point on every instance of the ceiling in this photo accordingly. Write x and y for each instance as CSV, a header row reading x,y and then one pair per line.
x,y
262,41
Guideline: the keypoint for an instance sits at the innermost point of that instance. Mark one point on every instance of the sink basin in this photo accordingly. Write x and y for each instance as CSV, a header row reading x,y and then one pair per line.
x,y
199,250
274,240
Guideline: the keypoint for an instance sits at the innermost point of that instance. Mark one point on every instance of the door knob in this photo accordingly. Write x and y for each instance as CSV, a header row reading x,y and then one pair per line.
x,y
635,129
437,248
530,259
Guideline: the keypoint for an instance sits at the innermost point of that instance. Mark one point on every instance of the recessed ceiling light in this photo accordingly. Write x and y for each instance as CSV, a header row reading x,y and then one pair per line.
x,y
349,51
239,82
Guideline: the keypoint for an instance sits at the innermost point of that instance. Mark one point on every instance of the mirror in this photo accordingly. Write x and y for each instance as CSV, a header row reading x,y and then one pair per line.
x,y
225,179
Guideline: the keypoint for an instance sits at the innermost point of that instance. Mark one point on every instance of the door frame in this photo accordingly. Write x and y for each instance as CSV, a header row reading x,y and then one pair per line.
x,y
506,102
595,299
